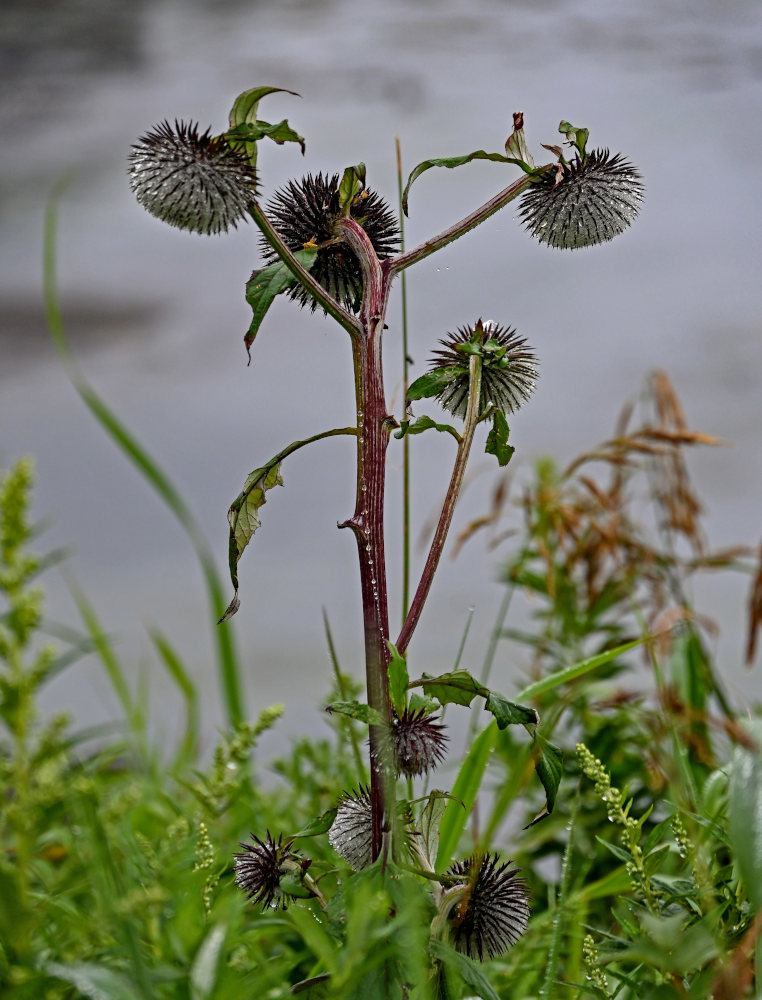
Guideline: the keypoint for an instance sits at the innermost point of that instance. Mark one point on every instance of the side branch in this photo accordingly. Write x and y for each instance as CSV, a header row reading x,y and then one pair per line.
x,y
394,265
448,508
350,323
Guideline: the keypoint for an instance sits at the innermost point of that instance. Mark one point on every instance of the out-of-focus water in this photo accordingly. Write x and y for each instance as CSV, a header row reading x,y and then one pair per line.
x,y
157,316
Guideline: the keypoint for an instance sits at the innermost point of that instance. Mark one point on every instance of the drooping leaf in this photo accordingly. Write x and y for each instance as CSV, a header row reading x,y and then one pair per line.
x,y
431,817
265,284
424,424
575,136
465,968
457,161
433,382
321,824
457,687
243,518
516,143
244,112
464,793
745,812
352,184
398,679
508,713
497,439
356,710
549,765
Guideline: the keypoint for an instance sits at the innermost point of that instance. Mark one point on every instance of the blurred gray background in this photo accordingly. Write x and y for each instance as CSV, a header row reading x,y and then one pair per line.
x,y
157,316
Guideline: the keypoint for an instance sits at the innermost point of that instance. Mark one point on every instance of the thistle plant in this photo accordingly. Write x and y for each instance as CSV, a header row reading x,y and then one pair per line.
x,y
332,242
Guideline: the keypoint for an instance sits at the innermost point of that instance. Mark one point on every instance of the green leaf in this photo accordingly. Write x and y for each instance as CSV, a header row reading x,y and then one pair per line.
x,y
280,133
419,702
431,817
465,968
464,793
458,687
745,811
575,136
96,982
206,965
265,284
243,518
497,440
352,184
244,112
398,679
508,713
321,824
356,710
424,424
457,161
549,765
433,382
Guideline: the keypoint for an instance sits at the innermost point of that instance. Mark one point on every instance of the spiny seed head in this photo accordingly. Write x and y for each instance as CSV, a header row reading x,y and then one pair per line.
x,y
259,868
192,181
489,910
307,210
590,200
418,742
351,835
509,367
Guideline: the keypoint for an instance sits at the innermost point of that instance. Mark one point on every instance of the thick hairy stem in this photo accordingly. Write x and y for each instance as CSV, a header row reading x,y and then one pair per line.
x,y
396,264
448,508
331,306
367,522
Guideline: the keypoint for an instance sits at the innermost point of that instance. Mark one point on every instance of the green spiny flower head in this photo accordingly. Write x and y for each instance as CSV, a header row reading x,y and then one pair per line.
x,y
488,910
590,200
192,181
306,211
260,867
509,368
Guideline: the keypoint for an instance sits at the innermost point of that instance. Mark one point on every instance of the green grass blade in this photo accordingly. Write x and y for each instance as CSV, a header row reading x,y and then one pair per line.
x,y
176,670
579,669
464,793
227,660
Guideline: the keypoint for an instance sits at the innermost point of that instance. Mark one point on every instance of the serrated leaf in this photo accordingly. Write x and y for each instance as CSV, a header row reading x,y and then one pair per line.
x,y
267,283
356,710
244,112
508,713
425,424
456,161
431,817
352,184
549,765
280,133
398,679
433,382
321,824
457,687
465,968
497,439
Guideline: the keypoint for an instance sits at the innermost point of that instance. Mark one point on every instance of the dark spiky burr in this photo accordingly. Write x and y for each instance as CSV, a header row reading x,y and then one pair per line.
x,y
190,180
489,911
509,368
418,742
306,211
259,868
590,200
